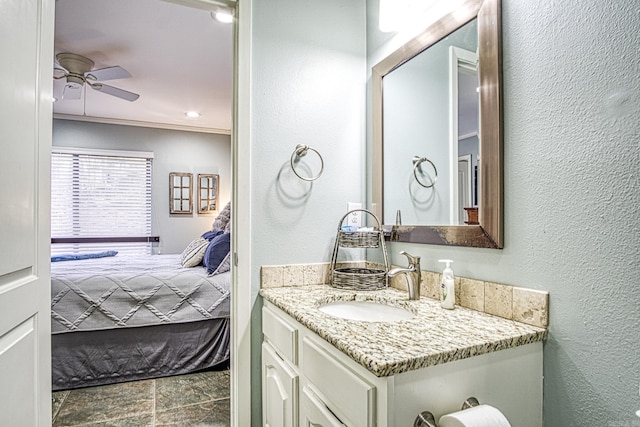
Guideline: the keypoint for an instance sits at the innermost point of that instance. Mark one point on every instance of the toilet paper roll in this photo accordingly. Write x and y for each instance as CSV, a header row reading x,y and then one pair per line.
x,y
478,416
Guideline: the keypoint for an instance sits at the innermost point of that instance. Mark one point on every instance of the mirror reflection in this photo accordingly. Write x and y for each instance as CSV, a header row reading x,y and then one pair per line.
x,y
430,109
437,132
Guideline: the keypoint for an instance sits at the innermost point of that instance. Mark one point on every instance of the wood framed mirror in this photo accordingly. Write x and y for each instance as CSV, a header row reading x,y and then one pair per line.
x,y
180,193
207,193
487,230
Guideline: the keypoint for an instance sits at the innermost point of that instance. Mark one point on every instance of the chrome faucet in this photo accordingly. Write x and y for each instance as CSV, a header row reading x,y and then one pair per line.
x,y
412,273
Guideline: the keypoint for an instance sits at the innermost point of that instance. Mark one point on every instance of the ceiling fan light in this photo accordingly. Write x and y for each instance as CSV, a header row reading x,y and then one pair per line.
x,y
192,114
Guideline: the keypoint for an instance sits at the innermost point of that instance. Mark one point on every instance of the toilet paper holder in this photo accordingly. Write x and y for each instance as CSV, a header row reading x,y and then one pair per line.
x,y
470,402
426,418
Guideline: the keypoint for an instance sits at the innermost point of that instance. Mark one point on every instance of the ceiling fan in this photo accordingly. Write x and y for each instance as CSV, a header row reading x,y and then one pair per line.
x,y
78,70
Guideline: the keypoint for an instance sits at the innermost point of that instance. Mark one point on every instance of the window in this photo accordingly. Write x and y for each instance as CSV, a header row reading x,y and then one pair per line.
x,y
100,194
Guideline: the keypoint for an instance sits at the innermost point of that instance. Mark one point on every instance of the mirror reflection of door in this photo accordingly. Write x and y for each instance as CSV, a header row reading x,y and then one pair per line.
x,y
464,186
465,131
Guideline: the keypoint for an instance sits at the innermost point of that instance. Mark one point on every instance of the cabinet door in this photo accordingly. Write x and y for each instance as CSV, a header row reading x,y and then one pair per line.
x,y
279,390
350,396
314,413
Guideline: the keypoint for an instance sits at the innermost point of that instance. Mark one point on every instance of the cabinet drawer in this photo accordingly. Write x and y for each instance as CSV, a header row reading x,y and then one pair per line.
x,y
346,394
313,411
281,334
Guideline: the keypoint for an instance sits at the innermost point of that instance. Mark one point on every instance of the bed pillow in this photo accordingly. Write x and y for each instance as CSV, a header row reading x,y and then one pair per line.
x,y
218,249
224,266
209,235
223,218
194,253
73,257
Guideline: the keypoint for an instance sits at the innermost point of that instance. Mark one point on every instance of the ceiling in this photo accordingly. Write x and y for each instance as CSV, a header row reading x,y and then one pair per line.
x,y
180,59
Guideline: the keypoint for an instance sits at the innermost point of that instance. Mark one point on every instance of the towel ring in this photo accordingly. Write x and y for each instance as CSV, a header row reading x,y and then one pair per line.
x,y
301,151
417,161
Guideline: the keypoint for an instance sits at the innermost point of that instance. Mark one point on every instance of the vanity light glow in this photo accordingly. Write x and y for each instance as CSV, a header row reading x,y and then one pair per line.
x,y
390,15
192,114
223,15
396,15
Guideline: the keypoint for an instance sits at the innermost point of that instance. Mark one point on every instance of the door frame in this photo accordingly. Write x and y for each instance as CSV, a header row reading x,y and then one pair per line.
x,y
241,213
467,159
241,273
458,58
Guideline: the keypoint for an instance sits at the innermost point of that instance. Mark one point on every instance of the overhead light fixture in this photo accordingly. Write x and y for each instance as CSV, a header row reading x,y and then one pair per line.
x,y
192,114
397,15
223,14
390,15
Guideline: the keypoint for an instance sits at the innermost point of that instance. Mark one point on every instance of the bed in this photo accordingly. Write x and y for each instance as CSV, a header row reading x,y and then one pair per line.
x,y
124,318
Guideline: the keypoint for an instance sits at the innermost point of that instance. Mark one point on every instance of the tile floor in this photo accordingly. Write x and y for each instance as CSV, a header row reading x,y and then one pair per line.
x,y
200,399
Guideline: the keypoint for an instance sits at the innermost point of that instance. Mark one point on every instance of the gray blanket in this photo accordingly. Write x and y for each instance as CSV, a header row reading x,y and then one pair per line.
x,y
126,291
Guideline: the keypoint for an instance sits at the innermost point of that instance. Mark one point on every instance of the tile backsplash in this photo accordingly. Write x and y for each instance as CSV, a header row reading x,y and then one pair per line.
x,y
524,305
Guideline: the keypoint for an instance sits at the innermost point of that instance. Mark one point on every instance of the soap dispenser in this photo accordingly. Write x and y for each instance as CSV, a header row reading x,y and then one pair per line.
x,y
447,287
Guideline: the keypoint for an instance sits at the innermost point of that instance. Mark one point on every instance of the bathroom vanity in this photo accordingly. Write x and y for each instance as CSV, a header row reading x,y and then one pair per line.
x,y
318,369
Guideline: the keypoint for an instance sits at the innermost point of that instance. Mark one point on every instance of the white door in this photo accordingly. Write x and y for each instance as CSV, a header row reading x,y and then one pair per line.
x,y
26,46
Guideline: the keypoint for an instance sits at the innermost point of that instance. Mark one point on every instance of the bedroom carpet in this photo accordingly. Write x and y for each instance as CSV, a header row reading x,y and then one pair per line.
x,y
200,399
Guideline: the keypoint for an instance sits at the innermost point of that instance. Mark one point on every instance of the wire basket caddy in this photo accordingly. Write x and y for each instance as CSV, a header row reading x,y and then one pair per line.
x,y
359,278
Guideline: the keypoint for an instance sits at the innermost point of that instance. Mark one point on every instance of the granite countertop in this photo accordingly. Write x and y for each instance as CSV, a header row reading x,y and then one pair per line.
x,y
433,336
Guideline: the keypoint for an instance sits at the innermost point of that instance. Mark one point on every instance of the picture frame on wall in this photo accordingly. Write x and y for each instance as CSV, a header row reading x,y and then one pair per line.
x,y
208,188
180,193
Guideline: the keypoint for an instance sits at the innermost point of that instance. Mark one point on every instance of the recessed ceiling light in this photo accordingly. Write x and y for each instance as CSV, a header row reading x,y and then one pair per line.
x,y
192,114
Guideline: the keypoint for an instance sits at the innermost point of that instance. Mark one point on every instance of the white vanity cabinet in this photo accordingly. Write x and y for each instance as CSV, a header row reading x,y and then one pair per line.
x,y
314,412
303,384
280,376
279,390
309,382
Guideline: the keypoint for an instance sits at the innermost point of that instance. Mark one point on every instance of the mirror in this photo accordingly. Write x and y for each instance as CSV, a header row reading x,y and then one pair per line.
x,y
180,190
437,132
207,193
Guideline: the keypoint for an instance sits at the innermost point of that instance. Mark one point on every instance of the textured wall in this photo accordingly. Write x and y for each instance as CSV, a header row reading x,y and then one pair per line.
x,y
175,151
572,188
308,87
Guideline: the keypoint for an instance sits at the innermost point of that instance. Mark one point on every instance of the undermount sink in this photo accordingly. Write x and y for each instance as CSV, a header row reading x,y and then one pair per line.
x,y
365,311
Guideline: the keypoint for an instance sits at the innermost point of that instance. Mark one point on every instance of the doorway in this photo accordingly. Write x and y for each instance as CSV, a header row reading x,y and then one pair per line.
x,y
199,4
464,135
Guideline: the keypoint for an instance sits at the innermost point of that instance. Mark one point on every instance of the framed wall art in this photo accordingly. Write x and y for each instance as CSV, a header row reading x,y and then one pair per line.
x,y
180,193
208,185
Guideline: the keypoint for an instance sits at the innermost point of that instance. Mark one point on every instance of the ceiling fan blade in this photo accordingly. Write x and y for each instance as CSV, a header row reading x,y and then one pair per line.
x,y
59,71
109,73
120,93
72,91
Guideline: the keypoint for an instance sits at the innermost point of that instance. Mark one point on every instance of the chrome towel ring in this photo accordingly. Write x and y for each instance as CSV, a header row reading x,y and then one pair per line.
x,y
301,151
417,161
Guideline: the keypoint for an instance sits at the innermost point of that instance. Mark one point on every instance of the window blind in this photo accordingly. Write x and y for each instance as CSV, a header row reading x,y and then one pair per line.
x,y
100,195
